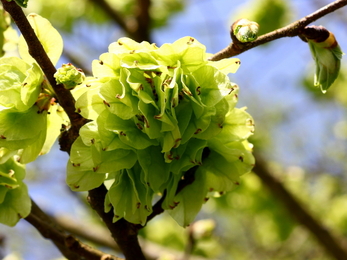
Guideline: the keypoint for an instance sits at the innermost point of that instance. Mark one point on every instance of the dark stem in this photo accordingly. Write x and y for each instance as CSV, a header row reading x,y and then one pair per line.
x,y
291,30
143,19
123,232
298,211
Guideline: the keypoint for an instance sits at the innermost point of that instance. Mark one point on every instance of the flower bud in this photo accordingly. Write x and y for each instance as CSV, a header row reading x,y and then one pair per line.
x,y
245,30
69,75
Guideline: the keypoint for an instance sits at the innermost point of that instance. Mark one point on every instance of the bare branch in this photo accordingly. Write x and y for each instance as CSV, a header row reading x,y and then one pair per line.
x,y
291,30
331,244
70,247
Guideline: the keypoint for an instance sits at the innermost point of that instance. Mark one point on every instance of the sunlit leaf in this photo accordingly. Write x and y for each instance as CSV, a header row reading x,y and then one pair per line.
x,y
15,202
49,37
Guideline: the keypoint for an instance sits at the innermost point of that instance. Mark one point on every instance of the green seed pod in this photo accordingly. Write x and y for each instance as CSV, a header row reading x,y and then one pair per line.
x,y
69,75
159,110
15,202
28,108
245,30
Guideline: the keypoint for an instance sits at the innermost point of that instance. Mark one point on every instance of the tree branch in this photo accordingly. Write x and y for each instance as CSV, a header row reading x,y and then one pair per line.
x,y
70,247
331,244
136,27
100,236
36,50
123,232
291,30
113,15
143,19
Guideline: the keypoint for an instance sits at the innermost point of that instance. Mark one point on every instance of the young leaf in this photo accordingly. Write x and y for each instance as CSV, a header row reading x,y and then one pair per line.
x,y
189,200
49,37
20,83
15,202
20,129
130,197
326,53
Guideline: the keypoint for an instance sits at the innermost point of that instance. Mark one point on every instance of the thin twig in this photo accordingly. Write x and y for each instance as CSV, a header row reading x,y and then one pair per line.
x,y
298,211
291,30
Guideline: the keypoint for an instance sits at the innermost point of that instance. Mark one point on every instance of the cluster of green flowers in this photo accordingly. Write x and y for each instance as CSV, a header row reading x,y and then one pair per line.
x,y
157,114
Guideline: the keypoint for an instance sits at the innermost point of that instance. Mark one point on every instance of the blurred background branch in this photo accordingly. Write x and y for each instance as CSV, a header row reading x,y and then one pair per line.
x,y
336,247
69,246
137,26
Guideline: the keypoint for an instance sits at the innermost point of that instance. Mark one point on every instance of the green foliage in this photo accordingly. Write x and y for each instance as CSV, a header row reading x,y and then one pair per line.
x,y
14,199
8,35
255,222
155,111
49,37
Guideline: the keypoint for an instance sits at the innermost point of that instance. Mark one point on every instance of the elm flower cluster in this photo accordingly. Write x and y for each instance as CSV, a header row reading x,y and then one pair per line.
x,y
159,114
